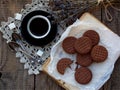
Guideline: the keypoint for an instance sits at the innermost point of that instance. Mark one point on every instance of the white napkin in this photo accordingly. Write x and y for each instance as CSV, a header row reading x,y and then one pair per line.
x,y
101,71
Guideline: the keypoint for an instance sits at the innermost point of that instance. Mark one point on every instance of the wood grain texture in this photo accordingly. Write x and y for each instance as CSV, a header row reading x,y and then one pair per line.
x,y
14,77
113,82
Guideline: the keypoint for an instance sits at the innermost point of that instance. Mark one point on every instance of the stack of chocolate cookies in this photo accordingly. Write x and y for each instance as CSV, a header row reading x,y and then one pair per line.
x,y
87,50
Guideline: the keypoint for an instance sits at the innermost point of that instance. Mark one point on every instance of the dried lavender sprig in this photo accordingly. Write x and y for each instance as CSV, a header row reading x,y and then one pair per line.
x,y
66,5
71,3
67,14
74,16
70,12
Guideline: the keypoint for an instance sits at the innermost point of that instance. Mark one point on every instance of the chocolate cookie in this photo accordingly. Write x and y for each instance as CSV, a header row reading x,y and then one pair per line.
x,y
84,60
93,35
83,45
63,64
99,53
83,75
68,45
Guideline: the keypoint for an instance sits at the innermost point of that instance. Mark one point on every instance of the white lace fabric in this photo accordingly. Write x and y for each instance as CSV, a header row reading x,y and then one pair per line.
x,y
7,32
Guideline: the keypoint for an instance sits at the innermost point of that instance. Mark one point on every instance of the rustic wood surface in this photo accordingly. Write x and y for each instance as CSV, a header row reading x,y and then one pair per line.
x,y
14,77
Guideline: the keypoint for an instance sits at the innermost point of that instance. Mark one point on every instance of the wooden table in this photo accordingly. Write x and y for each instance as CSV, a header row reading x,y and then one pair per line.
x,y
14,77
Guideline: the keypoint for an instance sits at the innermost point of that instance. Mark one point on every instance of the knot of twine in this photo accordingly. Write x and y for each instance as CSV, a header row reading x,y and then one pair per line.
x,y
107,12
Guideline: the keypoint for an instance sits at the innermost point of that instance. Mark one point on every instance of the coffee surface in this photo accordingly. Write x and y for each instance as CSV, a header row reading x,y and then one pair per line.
x,y
38,26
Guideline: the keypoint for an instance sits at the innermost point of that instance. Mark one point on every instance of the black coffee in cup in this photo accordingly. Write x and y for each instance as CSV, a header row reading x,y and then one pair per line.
x,y
38,26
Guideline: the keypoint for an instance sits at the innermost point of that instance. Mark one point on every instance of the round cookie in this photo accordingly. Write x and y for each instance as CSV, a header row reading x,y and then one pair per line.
x,y
93,35
68,45
63,64
99,53
83,75
84,60
83,45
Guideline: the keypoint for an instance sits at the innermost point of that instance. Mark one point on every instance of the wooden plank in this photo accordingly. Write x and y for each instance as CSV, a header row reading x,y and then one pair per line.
x,y
44,82
9,7
14,77
113,82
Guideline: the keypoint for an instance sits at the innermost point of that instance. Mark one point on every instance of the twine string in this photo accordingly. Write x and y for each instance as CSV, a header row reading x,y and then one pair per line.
x,y
107,12
111,4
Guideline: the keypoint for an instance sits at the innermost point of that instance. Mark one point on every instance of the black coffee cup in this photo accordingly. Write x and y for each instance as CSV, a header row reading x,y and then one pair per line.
x,y
39,26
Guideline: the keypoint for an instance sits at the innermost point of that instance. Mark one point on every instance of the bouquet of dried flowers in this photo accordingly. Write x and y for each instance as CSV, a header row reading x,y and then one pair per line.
x,y
69,10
